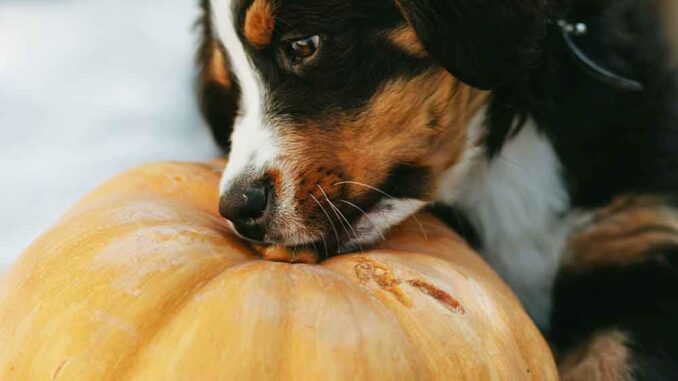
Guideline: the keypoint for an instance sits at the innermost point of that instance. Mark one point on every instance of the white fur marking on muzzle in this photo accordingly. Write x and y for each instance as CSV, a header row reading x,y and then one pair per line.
x,y
255,145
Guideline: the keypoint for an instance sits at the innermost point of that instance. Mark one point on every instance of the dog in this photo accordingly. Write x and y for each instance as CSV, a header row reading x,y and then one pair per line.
x,y
544,131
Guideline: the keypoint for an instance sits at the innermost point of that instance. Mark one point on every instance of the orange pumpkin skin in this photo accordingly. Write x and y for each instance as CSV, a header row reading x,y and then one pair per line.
x,y
142,281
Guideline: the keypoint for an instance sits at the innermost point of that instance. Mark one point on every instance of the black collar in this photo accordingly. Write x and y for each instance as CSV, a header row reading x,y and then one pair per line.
x,y
569,32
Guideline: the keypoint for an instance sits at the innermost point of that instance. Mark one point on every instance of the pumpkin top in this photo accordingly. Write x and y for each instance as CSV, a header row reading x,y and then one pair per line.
x,y
142,280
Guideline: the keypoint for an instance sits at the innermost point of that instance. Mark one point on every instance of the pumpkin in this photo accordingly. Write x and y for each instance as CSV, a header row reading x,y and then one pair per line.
x,y
142,280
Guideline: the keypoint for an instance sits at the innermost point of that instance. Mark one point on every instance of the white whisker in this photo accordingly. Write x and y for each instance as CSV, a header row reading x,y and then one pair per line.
x,y
334,228
334,209
327,253
317,252
355,235
341,217
421,227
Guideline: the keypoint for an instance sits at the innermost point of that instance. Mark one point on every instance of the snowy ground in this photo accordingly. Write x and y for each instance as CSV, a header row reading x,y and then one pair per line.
x,y
89,88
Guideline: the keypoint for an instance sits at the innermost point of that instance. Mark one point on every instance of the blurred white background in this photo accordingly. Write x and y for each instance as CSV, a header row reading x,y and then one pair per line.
x,y
89,88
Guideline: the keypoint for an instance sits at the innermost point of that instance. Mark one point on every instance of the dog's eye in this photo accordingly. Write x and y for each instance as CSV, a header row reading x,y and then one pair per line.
x,y
303,49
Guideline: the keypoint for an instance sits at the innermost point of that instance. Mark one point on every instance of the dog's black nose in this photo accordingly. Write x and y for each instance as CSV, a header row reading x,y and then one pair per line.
x,y
247,206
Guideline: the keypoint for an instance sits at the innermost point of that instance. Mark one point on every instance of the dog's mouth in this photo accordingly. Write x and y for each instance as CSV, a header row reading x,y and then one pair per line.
x,y
348,227
322,248
330,214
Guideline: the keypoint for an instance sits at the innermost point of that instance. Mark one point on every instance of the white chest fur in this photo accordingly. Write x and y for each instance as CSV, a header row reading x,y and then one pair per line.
x,y
519,205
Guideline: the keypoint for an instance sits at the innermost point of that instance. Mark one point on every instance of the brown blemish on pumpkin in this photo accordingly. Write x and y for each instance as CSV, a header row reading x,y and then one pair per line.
x,y
260,23
367,269
443,297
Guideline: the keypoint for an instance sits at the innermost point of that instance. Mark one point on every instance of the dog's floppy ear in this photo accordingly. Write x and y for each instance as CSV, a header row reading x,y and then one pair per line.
x,y
484,43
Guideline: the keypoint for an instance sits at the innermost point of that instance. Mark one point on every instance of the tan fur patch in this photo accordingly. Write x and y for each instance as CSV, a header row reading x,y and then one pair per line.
x,y
406,39
421,122
275,177
217,69
260,23
622,234
605,357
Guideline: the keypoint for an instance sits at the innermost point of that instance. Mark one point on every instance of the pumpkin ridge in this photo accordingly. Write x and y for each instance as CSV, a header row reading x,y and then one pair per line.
x,y
382,307
169,315
370,291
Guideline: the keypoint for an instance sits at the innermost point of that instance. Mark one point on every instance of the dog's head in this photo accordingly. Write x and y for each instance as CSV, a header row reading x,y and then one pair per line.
x,y
353,112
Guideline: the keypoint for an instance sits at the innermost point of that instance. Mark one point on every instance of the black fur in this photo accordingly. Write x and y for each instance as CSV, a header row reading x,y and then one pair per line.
x,y
641,301
354,52
610,143
219,105
458,221
485,43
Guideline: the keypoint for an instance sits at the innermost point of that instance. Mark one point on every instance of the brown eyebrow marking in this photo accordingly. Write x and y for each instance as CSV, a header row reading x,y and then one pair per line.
x,y
217,66
406,39
260,23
